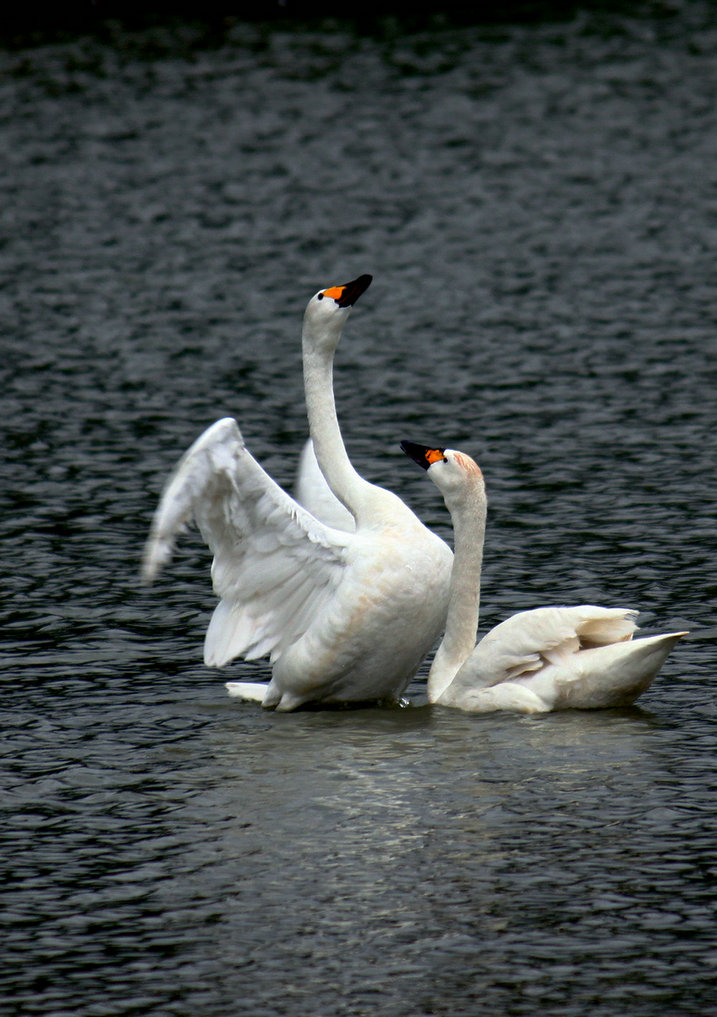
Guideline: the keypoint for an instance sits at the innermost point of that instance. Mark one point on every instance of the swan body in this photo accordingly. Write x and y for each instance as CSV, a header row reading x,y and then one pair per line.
x,y
550,658
343,616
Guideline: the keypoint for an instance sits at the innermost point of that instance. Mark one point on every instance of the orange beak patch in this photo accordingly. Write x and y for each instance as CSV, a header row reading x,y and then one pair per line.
x,y
348,294
423,455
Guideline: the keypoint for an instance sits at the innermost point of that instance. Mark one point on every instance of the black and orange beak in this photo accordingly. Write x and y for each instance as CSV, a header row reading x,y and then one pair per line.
x,y
422,454
348,294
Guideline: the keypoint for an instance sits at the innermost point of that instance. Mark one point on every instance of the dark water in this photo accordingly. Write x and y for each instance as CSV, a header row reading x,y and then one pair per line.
x,y
538,205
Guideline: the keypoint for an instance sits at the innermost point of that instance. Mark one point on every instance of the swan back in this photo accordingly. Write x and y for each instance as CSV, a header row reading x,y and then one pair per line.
x,y
529,640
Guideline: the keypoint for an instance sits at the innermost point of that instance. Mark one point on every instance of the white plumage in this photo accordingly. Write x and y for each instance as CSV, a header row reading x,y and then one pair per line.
x,y
549,658
312,491
275,566
343,616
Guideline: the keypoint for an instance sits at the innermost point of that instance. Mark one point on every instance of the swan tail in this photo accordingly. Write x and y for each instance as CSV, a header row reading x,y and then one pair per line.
x,y
615,675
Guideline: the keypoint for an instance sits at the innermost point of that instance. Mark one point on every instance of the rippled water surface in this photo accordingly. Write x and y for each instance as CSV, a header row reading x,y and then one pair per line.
x,y
538,205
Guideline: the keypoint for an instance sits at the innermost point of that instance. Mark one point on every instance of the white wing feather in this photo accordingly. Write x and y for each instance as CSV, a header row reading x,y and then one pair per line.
x,y
312,491
529,640
275,566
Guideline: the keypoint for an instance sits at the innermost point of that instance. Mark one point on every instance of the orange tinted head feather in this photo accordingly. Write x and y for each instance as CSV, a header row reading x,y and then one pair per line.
x,y
467,464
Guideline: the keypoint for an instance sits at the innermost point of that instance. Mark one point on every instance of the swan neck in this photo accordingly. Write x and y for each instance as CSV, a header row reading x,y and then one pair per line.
x,y
331,454
469,517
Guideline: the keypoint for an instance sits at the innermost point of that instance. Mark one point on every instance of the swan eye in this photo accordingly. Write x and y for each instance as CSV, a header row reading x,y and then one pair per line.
x,y
319,296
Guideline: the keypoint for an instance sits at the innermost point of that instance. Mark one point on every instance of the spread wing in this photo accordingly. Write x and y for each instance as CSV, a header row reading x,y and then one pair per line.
x,y
275,566
529,640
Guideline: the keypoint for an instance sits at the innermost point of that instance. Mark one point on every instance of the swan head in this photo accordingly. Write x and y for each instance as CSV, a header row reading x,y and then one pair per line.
x,y
327,311
454,473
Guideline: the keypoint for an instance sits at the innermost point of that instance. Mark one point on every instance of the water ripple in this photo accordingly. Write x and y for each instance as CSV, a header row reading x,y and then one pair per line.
x,y
533,202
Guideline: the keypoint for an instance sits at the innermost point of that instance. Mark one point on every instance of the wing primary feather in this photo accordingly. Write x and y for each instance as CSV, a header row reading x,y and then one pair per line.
x,y
274,566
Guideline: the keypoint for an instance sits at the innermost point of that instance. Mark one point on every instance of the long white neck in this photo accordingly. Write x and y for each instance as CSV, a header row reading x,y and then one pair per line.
x,y
469,516
331,455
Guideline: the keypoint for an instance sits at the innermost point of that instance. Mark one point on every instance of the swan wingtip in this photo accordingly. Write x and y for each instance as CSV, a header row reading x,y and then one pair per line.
x,y
156,555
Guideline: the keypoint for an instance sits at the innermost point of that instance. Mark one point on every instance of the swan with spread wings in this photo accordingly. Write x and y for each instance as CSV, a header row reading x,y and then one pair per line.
x,y
343,616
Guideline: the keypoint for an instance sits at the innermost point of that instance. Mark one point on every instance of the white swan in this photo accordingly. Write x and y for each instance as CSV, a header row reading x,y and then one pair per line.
x,y
549,658
344,617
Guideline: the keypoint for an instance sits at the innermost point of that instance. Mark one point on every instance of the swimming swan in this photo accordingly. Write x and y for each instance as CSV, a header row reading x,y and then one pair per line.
x,y
344,617
550,658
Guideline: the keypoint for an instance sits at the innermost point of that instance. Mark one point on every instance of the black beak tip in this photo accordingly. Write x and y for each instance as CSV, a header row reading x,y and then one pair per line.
x,y
354,289
416,452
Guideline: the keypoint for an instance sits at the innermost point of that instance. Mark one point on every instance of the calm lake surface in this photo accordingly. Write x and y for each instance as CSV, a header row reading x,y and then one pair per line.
x,y
537,203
